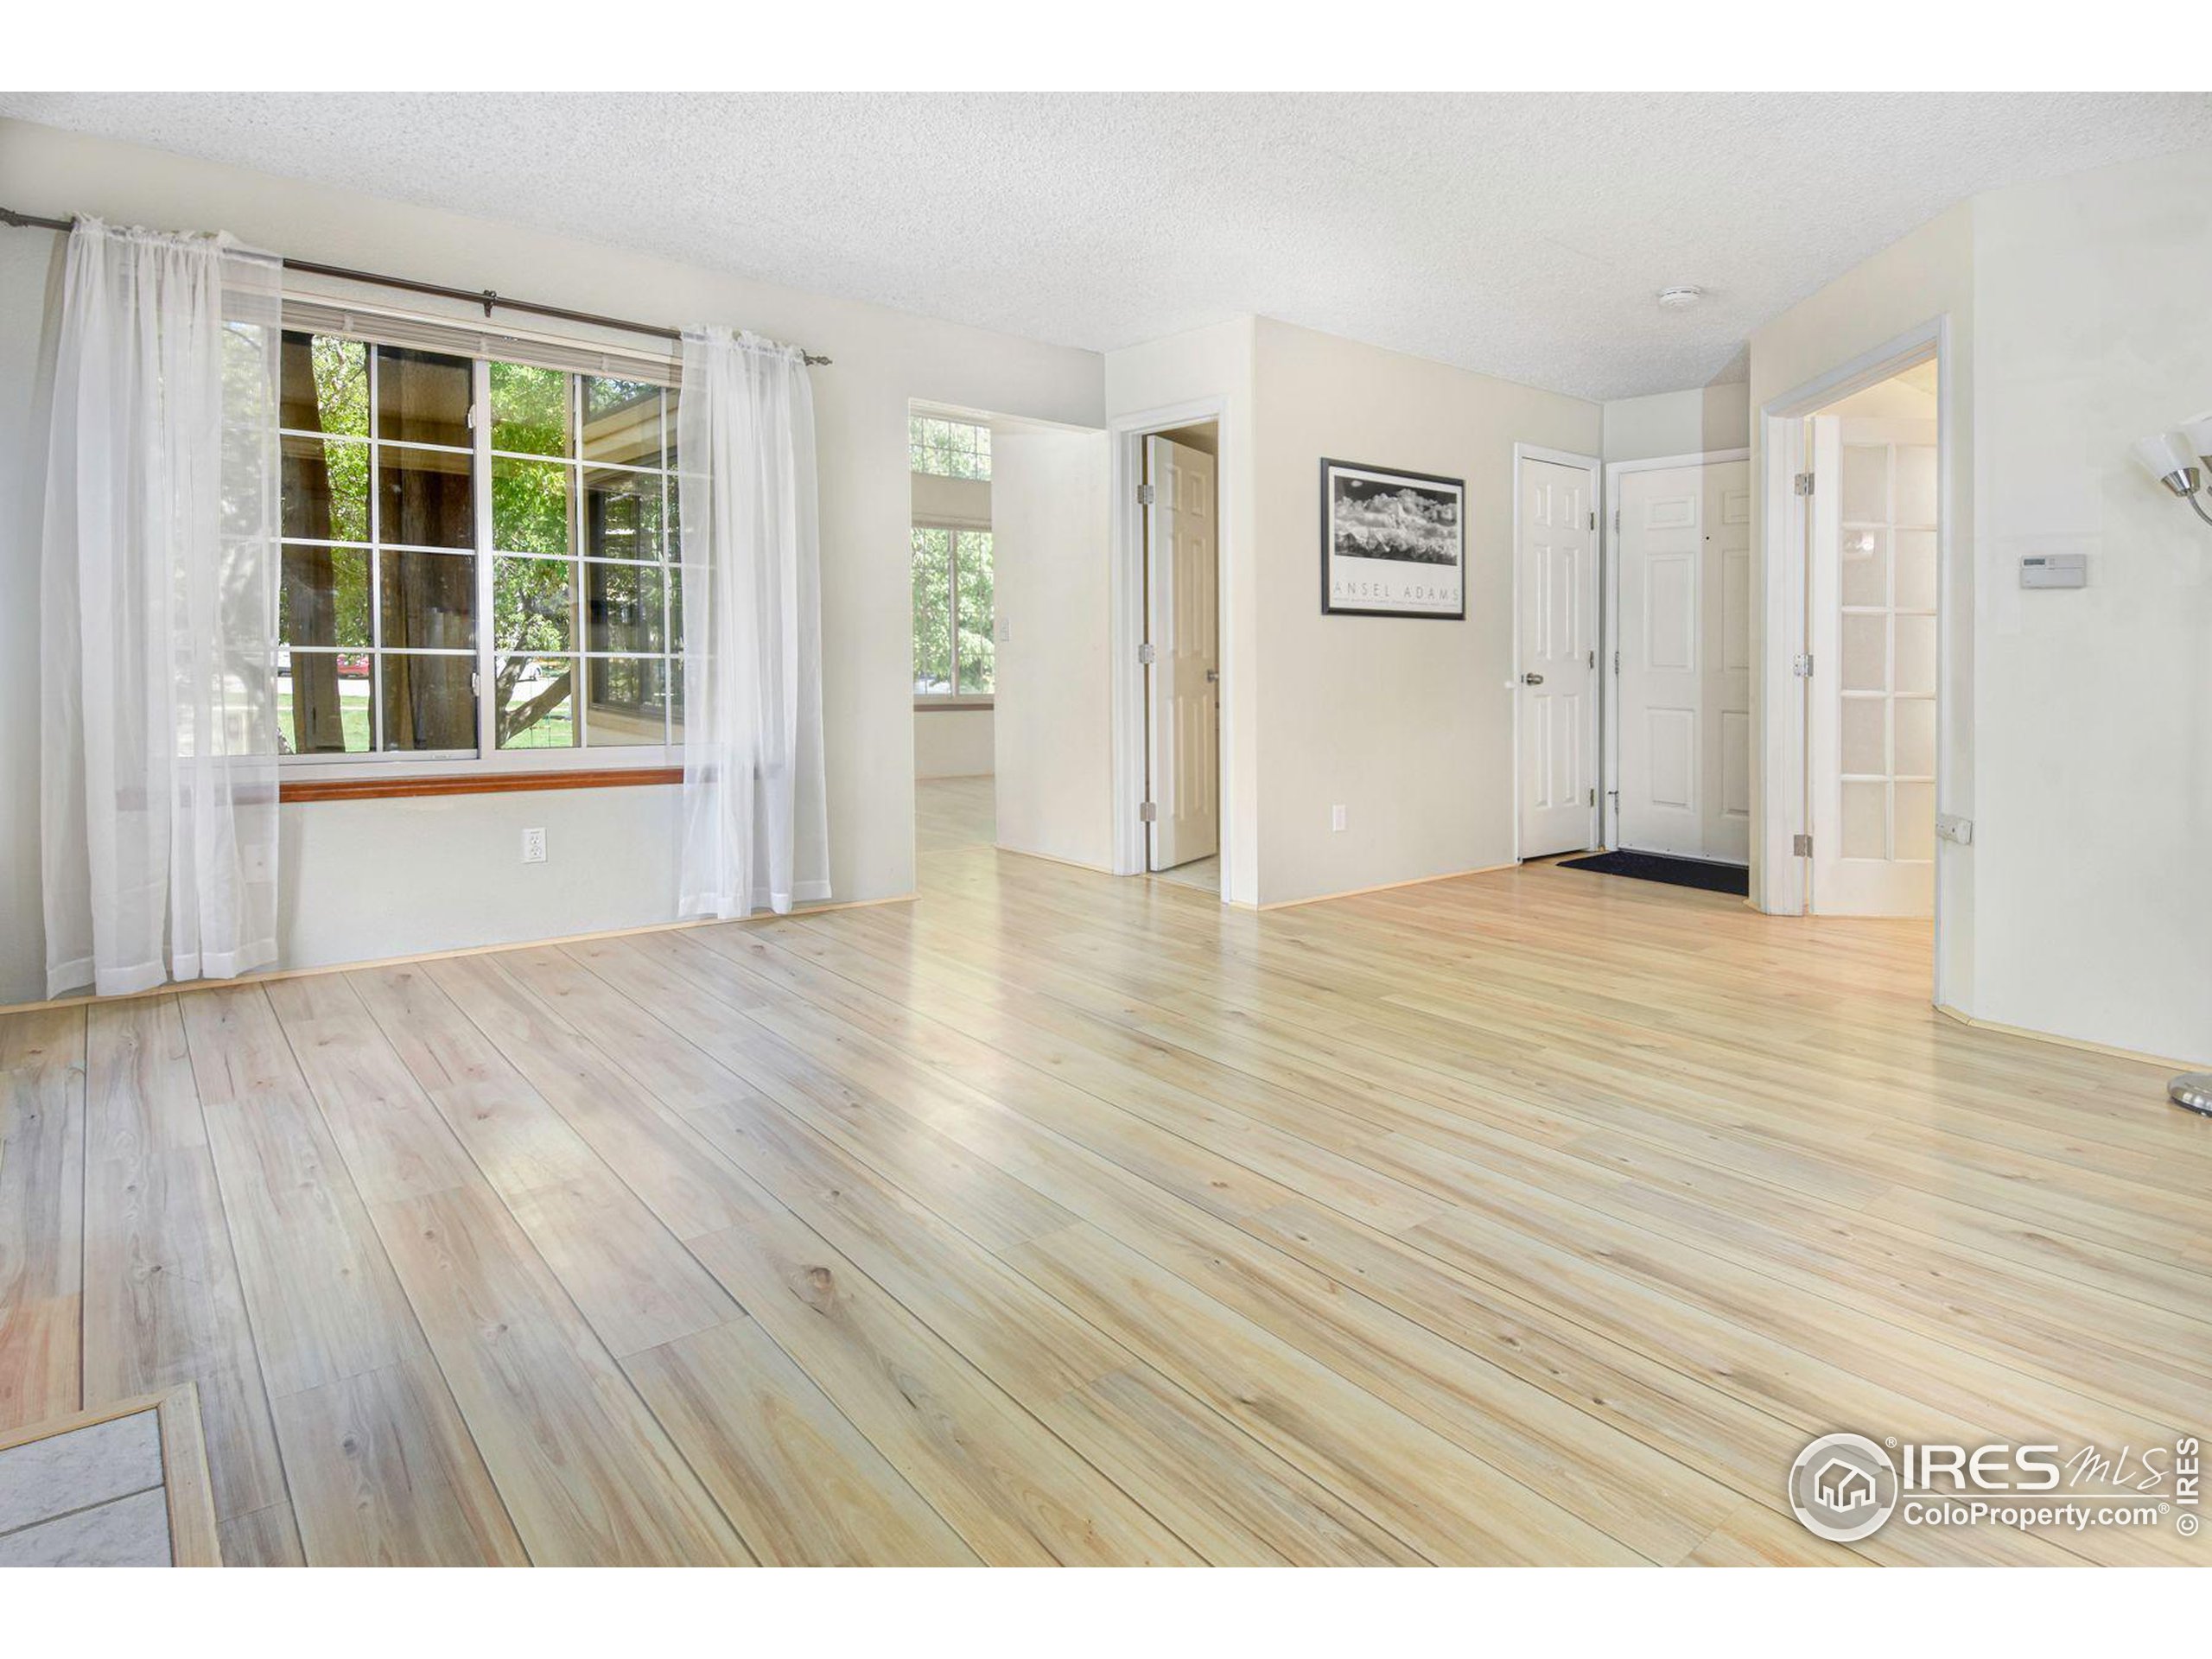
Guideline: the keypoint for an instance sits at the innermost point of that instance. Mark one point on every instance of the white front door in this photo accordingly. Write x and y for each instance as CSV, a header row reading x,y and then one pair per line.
x,y
1181,589
1872,700
1684,557
1558,583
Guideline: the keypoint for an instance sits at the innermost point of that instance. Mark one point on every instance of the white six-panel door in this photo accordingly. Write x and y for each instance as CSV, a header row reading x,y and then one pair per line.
x,y
1685,733
1558,585
1181,597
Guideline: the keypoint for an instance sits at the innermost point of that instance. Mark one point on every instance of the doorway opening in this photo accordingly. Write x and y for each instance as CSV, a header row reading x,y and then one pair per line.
x,y
1873,630
1181,654
1011,605
955,669
1862,583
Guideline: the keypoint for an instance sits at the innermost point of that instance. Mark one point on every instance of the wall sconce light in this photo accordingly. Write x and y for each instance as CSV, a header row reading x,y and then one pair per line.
x,y
2173,459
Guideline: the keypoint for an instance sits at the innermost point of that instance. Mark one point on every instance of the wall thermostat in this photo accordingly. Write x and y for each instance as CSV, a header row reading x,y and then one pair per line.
x,y
2055,570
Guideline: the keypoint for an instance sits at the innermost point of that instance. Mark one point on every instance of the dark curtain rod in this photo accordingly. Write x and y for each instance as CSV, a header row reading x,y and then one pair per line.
x,y
485,297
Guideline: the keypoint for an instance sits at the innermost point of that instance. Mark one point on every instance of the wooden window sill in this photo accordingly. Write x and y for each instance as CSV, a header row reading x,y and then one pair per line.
x,y
297,790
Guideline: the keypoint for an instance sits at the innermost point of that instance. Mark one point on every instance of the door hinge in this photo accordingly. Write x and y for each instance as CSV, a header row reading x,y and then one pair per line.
x,y
1616,521
1146,495
1149,813
1593,796
1801,665
1802,484
1801,846
1593,656
1616,662
1146,654
1593,518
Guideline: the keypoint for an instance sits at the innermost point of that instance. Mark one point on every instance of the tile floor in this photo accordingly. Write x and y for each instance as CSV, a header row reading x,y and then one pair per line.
x,y
90,1497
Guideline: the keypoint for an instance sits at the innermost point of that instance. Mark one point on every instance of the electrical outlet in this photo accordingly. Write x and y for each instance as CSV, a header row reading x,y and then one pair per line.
x,y
1335,818
533,846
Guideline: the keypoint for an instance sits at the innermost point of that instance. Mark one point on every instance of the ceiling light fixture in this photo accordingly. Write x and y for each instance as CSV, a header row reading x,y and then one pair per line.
x,y
1674,299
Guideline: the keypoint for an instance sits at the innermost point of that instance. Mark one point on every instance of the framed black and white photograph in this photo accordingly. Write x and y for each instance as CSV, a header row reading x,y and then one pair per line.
x,y
1393,544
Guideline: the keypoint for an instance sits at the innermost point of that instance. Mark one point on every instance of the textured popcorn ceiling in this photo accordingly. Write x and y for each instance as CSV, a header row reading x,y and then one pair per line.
x,y
1522,235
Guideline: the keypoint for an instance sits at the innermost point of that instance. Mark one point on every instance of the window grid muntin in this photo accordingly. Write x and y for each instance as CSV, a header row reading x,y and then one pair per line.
x,y
376,560
666,562
576,562
937,438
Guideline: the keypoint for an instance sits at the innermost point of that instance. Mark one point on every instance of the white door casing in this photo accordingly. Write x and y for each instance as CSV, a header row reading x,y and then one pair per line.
x,y
1726,661
1872,704
1183,627
1684,730
1557,582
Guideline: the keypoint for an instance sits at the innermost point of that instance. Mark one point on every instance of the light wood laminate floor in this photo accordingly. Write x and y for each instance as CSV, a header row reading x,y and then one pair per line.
x,y
1528,1217
950,813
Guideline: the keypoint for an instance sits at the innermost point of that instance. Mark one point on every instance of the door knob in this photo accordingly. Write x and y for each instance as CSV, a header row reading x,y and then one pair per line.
x,y
1532,679
1213,676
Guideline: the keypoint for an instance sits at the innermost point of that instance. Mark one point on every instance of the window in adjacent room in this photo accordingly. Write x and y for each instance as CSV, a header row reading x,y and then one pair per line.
x,y
457,587
948,448
953,613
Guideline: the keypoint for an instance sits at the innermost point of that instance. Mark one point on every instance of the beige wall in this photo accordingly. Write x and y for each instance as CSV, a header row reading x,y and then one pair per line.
x,y
1894,399
2092,747
1052,726
462,855
1695,421
1407,724
952,742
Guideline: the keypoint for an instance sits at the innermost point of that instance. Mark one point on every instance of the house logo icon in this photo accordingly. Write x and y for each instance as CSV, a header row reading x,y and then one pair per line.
x,y
1843,1487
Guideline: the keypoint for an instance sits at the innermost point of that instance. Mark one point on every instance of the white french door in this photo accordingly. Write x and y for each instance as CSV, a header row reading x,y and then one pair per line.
x,y
1182,586
1558,694
1872,703
1683,554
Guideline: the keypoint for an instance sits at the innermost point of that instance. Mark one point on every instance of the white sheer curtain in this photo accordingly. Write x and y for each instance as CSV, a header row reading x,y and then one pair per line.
x,y
158,614
756,827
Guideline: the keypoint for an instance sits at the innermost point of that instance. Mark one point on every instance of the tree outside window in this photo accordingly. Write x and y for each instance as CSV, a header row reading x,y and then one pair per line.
x,y
388,573
954,650
948,448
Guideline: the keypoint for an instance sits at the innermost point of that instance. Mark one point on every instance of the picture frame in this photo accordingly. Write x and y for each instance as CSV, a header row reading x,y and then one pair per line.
x,y
1393,543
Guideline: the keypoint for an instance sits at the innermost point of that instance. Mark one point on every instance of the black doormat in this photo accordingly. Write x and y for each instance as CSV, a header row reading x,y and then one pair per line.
x,y
1675,871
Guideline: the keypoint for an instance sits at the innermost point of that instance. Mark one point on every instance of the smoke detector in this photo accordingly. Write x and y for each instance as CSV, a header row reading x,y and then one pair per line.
x,y
1677,299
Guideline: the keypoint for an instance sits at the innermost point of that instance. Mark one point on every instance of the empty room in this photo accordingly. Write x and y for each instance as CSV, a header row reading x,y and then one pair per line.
x,y
1103,829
